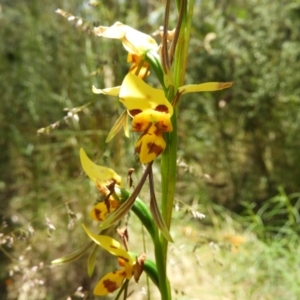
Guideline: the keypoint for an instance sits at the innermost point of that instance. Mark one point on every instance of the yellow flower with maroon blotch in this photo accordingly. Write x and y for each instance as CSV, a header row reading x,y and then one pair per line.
x,y
104,178
151,111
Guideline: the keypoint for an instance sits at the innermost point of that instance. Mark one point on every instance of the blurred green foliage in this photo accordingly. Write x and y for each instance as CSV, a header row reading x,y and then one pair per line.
x,y
235,147
250,132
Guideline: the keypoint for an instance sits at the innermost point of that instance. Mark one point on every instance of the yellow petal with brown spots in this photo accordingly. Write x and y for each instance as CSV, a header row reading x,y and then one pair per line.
x,y
143,120
135,94
110,282
150,144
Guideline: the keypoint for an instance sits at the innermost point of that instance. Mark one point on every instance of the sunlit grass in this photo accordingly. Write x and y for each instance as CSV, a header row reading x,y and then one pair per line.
x,y
226,259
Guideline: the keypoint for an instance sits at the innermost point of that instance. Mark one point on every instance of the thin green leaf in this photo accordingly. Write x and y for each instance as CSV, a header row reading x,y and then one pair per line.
x,y
123,288
91,261
121,122
72,256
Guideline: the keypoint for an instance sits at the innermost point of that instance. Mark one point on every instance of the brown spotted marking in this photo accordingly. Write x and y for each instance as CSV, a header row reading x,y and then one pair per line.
x,y
98,214
164,127
135,112
162,108
110,285
138,149
137,127
153,148
157,131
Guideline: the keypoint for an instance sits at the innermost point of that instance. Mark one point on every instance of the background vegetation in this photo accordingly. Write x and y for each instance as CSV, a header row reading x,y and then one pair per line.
x,y
239,158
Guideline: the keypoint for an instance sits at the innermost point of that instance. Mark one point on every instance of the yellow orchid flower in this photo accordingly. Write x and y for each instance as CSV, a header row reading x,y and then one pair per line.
x,y
137,97
151,111
134,41
114,280
102,177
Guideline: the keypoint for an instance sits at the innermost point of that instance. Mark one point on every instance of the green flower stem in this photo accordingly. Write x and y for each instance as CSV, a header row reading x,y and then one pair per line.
x,y
168,171
181,52
143,213
168,176
160,259
151,270
169,156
